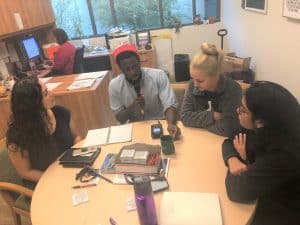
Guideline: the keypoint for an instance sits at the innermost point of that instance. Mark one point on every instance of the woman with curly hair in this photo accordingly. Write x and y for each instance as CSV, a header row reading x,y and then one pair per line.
x,y
39,131
264,159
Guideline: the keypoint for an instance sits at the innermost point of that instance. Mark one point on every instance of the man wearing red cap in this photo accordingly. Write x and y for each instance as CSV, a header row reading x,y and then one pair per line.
x,y
141,93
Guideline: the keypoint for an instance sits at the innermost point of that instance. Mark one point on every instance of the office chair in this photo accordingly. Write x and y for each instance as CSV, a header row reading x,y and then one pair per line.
x,y
78,60
16,196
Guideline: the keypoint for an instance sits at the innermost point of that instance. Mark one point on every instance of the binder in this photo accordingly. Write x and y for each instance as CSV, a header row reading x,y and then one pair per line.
x,y
68,160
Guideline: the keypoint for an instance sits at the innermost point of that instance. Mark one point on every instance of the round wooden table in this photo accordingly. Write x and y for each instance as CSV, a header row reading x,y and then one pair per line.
x,y
197,167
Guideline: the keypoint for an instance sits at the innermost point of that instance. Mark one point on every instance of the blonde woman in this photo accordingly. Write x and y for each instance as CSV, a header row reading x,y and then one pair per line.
x,y
211,99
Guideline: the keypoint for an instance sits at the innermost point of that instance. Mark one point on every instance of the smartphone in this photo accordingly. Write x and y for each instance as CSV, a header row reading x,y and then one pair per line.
x,y
156,130
159,185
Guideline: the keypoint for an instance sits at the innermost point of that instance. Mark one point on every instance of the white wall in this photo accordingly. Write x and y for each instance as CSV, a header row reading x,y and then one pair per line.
x,y
271,40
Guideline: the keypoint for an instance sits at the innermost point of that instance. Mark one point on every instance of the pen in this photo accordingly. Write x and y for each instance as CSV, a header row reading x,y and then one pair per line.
x,y
83,186
104,178
112,221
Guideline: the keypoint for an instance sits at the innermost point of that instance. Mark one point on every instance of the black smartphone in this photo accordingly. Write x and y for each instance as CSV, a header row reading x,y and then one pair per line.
x,y
156,130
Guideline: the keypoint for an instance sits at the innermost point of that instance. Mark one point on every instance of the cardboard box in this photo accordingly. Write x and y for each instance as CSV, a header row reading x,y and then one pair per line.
x,y
234,63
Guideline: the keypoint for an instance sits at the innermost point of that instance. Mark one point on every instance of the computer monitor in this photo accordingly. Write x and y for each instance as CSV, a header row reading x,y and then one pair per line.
x,y
31,47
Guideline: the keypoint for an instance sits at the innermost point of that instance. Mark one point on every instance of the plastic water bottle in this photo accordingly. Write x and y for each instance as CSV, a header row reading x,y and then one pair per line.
x,y
144,201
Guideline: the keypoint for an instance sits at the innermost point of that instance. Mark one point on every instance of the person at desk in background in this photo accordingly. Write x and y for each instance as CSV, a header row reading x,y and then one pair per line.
x,y
39,131
141,93
264,161
63,62
210,99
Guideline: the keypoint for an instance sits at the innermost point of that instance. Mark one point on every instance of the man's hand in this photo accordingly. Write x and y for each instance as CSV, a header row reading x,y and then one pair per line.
x,y
236,167
174,131
239,144
217,116
137,104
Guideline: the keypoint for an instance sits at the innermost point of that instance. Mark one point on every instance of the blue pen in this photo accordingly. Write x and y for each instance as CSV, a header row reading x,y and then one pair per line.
x,y
112,221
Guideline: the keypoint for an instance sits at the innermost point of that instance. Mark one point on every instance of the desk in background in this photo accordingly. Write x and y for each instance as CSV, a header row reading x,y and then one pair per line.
x,y
197,167
97,61
89,106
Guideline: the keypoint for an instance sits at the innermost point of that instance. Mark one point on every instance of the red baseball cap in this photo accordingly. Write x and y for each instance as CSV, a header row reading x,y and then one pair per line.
x,y
124,48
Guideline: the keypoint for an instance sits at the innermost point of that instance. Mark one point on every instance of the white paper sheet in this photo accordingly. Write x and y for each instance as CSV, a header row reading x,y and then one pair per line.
x,y
52,86
92,75
78,84
190,208
108,135
121,133
96,137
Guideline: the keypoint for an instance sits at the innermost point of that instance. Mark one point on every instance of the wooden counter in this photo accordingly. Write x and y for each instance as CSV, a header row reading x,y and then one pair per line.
x,y
89,106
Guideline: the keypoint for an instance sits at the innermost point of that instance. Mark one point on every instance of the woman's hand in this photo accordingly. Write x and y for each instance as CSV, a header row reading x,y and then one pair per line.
x,y
239,144
236,167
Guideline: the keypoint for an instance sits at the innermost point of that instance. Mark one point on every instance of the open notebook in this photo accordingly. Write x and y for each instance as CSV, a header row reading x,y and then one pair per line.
x,y
190,208
108,135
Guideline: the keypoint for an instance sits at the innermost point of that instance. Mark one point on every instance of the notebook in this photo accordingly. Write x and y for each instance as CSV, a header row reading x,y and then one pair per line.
x,y
190,208
108,135
68,160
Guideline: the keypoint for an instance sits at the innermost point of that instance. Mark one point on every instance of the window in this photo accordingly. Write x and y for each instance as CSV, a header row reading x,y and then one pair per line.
x,y
73,17
81,18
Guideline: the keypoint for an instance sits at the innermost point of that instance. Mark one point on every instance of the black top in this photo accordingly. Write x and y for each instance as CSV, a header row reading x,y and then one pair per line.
x,y
273,177
61,140
227,97
62,135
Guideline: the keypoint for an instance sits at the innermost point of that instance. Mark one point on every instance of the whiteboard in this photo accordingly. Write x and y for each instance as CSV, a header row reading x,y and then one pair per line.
x,y
291,8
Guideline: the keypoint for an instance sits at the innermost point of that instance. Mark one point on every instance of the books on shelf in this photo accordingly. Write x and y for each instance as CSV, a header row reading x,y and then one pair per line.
x,y
109,135
69,159
138,159
190,208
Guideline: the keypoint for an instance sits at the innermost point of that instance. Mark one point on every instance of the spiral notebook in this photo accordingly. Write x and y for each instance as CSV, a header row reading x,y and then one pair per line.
x,y
108,135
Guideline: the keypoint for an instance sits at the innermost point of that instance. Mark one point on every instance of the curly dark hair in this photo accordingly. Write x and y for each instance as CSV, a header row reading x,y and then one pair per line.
x,y
28,127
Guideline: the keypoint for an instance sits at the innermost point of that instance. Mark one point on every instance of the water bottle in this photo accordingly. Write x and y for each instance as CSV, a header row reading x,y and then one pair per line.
x,y
144,200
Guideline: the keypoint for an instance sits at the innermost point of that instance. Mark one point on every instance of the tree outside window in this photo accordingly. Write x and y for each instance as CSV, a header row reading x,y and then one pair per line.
x,y
96,17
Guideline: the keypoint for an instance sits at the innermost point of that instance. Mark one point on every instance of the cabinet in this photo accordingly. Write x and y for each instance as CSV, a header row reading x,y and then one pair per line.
x,y
147,58
34,14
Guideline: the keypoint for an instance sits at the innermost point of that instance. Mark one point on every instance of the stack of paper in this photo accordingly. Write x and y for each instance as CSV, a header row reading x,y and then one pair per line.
x,y
92,75
190,208
78,84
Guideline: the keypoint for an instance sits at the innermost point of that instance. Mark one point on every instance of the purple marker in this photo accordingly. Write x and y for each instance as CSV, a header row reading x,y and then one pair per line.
x,y
112,221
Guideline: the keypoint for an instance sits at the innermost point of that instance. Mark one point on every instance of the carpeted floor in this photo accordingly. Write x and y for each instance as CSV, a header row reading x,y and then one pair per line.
x,y
5,215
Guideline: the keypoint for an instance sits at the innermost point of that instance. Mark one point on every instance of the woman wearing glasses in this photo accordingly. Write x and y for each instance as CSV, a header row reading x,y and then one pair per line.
x,y
39,131
264,161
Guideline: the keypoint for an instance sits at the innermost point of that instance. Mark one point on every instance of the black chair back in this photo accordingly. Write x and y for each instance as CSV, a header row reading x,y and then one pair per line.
x,y
78,60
